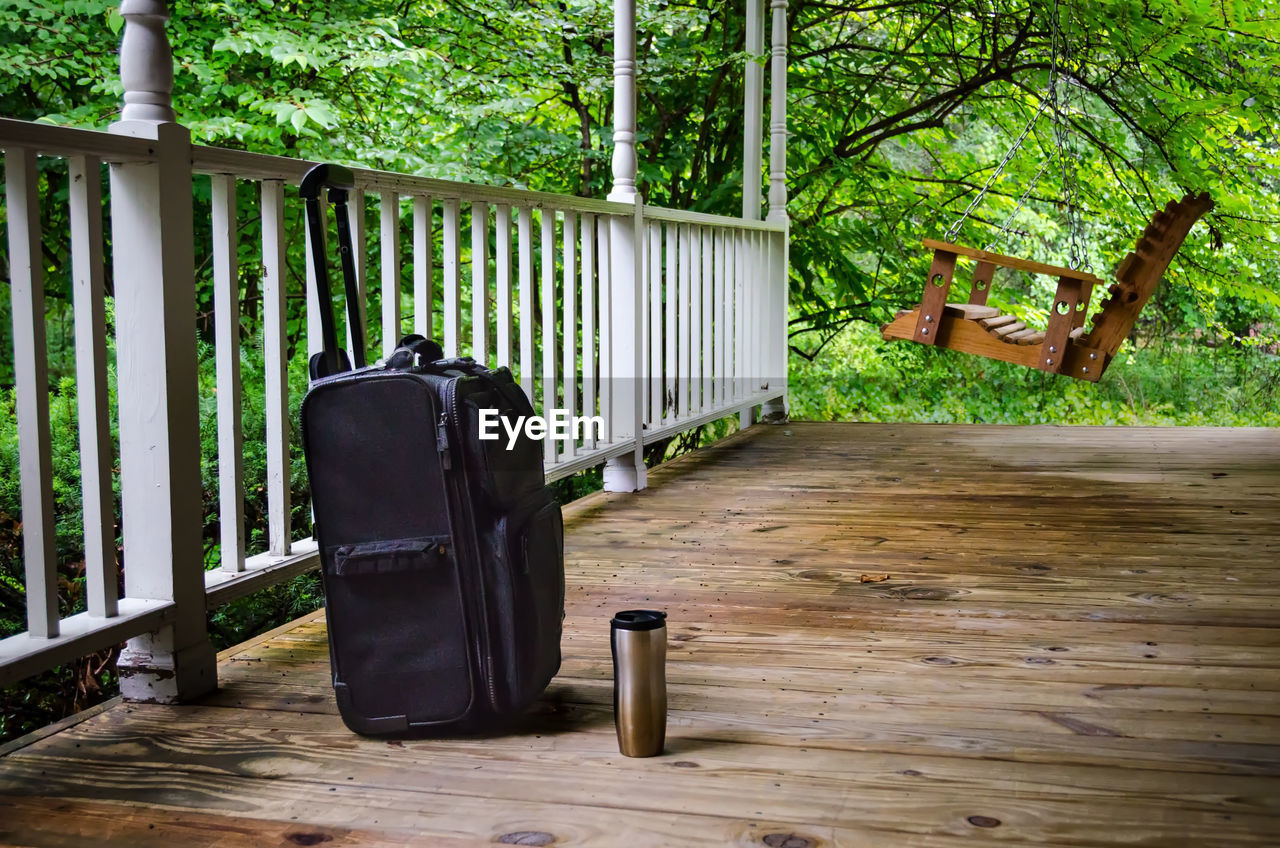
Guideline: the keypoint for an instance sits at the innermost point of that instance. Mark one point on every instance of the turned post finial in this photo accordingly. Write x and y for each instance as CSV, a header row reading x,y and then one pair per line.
x,y
625,163
146,62
778,113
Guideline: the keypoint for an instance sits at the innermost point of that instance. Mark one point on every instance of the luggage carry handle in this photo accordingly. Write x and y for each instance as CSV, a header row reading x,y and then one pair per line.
x,y
339,180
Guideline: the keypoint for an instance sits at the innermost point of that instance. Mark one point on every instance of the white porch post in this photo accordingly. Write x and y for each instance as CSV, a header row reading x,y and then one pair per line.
x,y
778,273
625,473
156,360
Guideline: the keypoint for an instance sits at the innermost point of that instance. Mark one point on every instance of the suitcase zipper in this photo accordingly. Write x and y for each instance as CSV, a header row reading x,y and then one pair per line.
x,y
451,404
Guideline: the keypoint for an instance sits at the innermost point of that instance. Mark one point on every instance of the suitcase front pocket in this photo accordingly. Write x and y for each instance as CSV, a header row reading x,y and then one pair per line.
x,y
398,631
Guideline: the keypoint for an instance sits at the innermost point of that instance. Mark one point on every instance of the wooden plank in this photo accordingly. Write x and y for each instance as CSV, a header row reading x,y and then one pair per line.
x,y
654,414
1010,261
934,298
96,448
973,312
997,321
980,287
1092,609
226,308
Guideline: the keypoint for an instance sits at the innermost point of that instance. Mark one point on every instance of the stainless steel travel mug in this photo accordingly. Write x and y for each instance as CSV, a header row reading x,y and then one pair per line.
x,y
639,640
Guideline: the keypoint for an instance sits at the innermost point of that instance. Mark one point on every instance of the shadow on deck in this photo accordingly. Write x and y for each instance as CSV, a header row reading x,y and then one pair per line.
x,y
1077,643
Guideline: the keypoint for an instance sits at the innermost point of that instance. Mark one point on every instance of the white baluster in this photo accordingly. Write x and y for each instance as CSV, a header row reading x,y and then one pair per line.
x,y
549,321
31,373
480,282
654,416
590,393
683,314
524,235
502,282
226,313
671,366
87,272
355,219
274,342
424,296
569,330
695,319
452,280
389,205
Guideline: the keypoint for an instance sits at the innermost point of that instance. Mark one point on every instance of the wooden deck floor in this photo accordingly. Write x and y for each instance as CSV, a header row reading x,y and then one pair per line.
x,y
1078,643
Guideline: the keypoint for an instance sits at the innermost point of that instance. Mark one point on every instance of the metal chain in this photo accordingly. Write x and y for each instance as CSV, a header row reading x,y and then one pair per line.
x,y
1022,136
1008,222
1076,256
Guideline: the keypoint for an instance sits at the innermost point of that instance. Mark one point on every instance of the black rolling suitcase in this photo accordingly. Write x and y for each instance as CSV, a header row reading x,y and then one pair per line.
x,y
442,554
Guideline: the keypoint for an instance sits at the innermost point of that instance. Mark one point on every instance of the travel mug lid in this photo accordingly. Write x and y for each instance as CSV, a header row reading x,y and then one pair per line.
x,y
639,620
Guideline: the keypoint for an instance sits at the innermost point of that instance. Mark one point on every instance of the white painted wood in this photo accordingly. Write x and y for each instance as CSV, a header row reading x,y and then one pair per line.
x,y
778,114
260,571
315,338
452,276
721,256
548,336
671,367
356,221
146,62
683,315
624,101
683,216
96,447
590,388
654,412
569,329
274,342
389,207
706,349
695,319
606,320
67,141
31,374
480,282
622,301
752,109
524,236
424,295
159,425
79,635
739,324
226,314
502,283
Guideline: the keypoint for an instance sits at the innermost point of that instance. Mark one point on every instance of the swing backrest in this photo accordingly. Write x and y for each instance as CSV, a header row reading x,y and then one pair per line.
x,y
1139,273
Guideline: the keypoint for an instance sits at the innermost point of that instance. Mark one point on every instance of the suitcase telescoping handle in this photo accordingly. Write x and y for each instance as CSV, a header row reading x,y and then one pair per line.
x,y
339,181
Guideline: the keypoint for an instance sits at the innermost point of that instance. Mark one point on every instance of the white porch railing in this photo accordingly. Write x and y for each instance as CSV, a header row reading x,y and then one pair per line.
x,y
526,279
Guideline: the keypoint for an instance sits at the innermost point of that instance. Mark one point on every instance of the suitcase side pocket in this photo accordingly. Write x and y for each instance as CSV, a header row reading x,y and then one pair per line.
x,y
400,647
534,547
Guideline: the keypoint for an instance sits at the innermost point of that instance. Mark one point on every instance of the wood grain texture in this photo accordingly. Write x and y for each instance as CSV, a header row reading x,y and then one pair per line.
x,y
1077,644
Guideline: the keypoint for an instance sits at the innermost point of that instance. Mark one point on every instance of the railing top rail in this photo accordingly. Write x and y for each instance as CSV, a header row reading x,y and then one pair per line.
x,y
69,141
216,160
682,216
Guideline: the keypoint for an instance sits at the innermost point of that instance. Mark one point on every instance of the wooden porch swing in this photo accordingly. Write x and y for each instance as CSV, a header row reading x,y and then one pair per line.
x,y
1065,347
